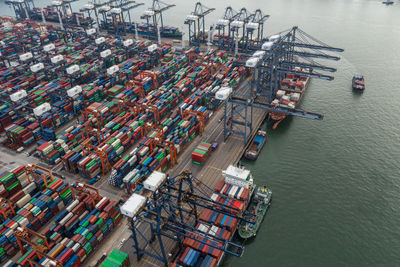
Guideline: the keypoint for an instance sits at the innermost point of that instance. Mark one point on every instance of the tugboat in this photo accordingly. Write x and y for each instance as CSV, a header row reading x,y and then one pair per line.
x,y
358,83
258,143
258,207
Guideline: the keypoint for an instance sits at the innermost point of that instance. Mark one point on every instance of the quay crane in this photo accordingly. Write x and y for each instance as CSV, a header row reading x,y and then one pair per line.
x,y
154,14
238,24
23,9
223,23
196,24
117,16
173,213
286,53
255,26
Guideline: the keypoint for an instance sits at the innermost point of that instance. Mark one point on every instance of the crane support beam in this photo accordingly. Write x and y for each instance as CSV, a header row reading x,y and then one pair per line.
x,y
273,108
313,55
318,47
308,66
300,73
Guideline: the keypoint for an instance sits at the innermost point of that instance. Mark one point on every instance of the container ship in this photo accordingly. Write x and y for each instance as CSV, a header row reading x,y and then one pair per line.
x,y
237,190
149,31
289,95
50,14
358,83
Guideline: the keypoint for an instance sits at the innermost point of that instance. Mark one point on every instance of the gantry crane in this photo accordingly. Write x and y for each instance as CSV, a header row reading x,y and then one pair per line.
x,y
237,25
150,74
255,24
153,109
90,9
87,148
126,6
88,131
31,169
196,24
200,117
224,35
116,15
63,8
23,8
22,235
154,15
92,191
6,208
173,213
158,140
288,53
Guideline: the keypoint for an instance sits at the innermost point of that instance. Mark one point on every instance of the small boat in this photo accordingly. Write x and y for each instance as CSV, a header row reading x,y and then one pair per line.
x,y
255,147
257,209
388,2
358,83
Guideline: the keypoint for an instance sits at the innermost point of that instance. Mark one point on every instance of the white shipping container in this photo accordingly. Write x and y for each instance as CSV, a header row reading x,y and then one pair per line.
x,y
76,247
116,143
132,160
120,150
223,188
295,96
134,125
101,202
25,199
83,258
240,192
10,233
65,241
203,228
69,129
66,218
129,176
72,205
14,226
233,191
144,151
213,231
280,93
24,222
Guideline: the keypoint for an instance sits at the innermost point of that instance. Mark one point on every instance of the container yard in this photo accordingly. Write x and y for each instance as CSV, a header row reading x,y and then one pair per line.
x,y
105,126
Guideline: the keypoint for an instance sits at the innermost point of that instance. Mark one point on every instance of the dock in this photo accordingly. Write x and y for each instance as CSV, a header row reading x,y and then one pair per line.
x,y
229,152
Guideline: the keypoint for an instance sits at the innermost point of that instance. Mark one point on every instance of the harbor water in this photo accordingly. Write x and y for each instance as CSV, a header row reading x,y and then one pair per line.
x,y
335,182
